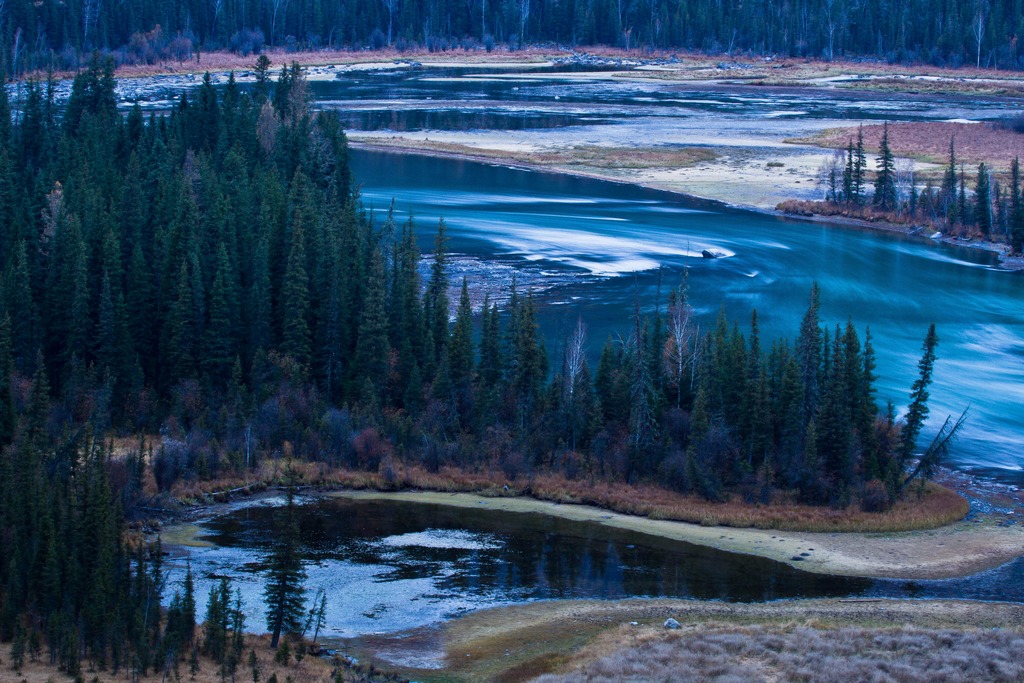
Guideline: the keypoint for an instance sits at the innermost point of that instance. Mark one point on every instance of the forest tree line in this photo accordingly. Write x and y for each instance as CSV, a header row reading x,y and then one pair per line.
x,y
211,277
966,202
37,35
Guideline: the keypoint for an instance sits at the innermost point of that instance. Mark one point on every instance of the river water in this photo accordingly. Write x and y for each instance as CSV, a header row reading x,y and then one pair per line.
x,y
587,247
590,246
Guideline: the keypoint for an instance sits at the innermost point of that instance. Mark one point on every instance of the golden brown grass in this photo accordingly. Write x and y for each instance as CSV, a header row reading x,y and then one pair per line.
x,y
935,507
582,156
929,141
1002,88
810,654
522,641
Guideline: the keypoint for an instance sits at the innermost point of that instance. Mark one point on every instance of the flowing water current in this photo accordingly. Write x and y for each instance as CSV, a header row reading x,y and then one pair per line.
x,y
589,247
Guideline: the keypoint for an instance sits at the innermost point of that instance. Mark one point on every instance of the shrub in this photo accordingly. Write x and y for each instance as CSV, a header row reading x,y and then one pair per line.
x,y
247,41
378,41
874,498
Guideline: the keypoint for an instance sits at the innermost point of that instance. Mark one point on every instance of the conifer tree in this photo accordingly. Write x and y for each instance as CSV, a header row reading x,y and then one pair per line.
x,y
218,339
284,591
860,168
961,203
917,411
295,303
260,307
808,353
23,323
7,417
180,330
435,299
1016,210
371,365
983,201
885,181
948,190
848,194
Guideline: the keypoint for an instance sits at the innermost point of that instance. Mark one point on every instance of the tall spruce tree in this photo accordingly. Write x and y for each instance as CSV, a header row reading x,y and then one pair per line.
x,y
1016,209
296,337
7,416
917,411
885,180
948,189
284,593
435,299
983,201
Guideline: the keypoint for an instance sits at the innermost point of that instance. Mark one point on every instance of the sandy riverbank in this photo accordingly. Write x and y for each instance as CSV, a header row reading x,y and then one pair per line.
x,y
977,543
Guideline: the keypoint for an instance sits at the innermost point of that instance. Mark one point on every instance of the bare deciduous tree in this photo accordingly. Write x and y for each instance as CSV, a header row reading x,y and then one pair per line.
x,y
830,175
830,25
979,27
904,182
524,14
390,6
90,15
575,360
678,354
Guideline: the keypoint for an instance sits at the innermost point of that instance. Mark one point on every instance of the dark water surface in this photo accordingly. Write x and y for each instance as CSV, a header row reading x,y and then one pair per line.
x,y
388,566
590,246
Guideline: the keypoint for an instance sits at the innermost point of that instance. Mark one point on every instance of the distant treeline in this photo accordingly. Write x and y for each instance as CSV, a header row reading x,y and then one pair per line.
x,y
48,33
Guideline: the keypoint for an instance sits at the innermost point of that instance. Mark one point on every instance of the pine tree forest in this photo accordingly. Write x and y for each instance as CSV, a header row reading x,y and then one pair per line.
x,y
50,34
210,276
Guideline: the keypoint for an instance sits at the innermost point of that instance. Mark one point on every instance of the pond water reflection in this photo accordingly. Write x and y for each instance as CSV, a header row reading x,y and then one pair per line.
x,y
388,566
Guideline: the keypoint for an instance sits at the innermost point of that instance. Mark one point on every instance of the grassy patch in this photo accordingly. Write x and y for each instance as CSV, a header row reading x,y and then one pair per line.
x,y
938,87
584,156
612,640
929,141
624,157
935,507
807,653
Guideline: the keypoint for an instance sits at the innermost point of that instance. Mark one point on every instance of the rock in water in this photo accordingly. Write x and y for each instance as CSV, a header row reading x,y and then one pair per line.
x,y
671,623
707,253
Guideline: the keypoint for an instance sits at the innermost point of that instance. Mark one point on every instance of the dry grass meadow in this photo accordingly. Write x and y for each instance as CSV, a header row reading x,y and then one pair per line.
x,y
800,653
935,507
929,141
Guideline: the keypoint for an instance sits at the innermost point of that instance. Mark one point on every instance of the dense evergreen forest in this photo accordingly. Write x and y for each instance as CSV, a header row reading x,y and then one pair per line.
x,y
209,278
41,34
